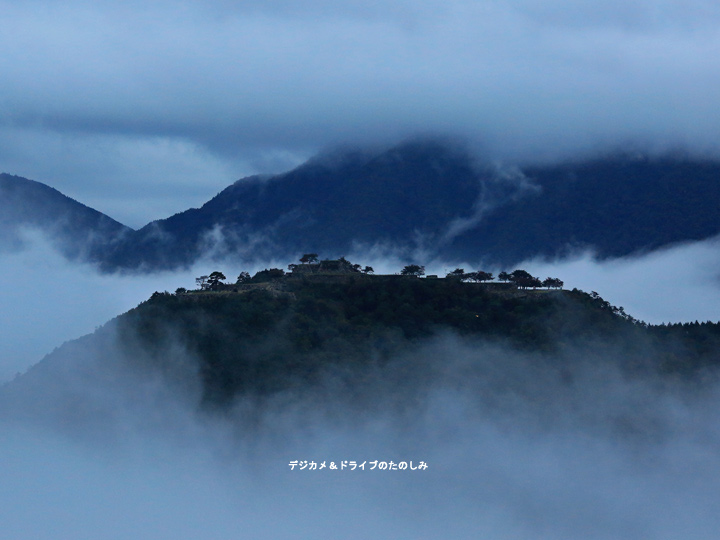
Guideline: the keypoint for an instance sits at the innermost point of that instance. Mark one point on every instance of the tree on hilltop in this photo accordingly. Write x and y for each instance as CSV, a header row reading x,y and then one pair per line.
x,y
479,276
201,282
553,283
524,279
268,275
215,279
413,270
309,258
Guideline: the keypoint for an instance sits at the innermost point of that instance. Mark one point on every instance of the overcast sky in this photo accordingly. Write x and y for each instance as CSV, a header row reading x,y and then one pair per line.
x,y
144,109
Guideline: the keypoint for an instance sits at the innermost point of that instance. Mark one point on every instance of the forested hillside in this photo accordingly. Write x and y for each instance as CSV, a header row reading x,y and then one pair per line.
x,y
361,339
265,341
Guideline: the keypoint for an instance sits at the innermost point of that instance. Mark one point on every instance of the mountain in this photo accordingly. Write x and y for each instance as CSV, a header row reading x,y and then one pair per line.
x,y
615,206
405,196
429,199
419,201
78,231
361,333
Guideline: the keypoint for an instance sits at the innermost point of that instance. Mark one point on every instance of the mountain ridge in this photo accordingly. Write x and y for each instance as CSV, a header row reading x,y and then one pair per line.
x,y
430,199
80,232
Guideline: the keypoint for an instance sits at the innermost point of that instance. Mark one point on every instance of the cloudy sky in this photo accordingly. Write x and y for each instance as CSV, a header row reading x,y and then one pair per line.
x,y
144,109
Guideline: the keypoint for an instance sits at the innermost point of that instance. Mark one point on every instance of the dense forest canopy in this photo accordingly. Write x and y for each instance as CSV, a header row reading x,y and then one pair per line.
x,y
269,339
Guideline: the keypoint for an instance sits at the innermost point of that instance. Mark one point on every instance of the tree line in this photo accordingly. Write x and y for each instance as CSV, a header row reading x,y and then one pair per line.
x,y
520,278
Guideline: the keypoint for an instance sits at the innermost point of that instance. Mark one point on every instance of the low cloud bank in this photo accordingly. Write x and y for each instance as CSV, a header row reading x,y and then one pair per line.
x,y
47,300
517,445
675,284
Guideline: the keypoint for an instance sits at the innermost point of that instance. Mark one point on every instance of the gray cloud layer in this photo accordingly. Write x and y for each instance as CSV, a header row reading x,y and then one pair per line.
x,y
262,85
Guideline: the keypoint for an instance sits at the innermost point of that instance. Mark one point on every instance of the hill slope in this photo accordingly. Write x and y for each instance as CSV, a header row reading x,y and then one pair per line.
x,y
77,230
329,205
615,206
425,199
297,336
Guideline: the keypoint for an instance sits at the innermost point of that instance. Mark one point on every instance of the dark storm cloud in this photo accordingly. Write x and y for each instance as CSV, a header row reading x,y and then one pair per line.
x,y
241,81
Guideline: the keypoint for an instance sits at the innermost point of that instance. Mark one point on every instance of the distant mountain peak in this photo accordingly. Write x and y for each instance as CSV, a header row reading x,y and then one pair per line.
x,y
425,197
77,230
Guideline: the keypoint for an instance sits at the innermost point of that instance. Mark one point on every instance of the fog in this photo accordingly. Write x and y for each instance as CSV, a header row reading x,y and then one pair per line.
x,y
205,94
517,446
46,300
675,284
143,110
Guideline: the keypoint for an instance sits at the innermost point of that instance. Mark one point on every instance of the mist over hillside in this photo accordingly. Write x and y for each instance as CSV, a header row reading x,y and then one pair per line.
x,y
589,436
79,232
577,140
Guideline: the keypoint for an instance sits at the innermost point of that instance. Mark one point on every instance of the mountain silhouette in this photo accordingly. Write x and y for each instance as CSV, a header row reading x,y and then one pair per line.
x,y
78,231
418,200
